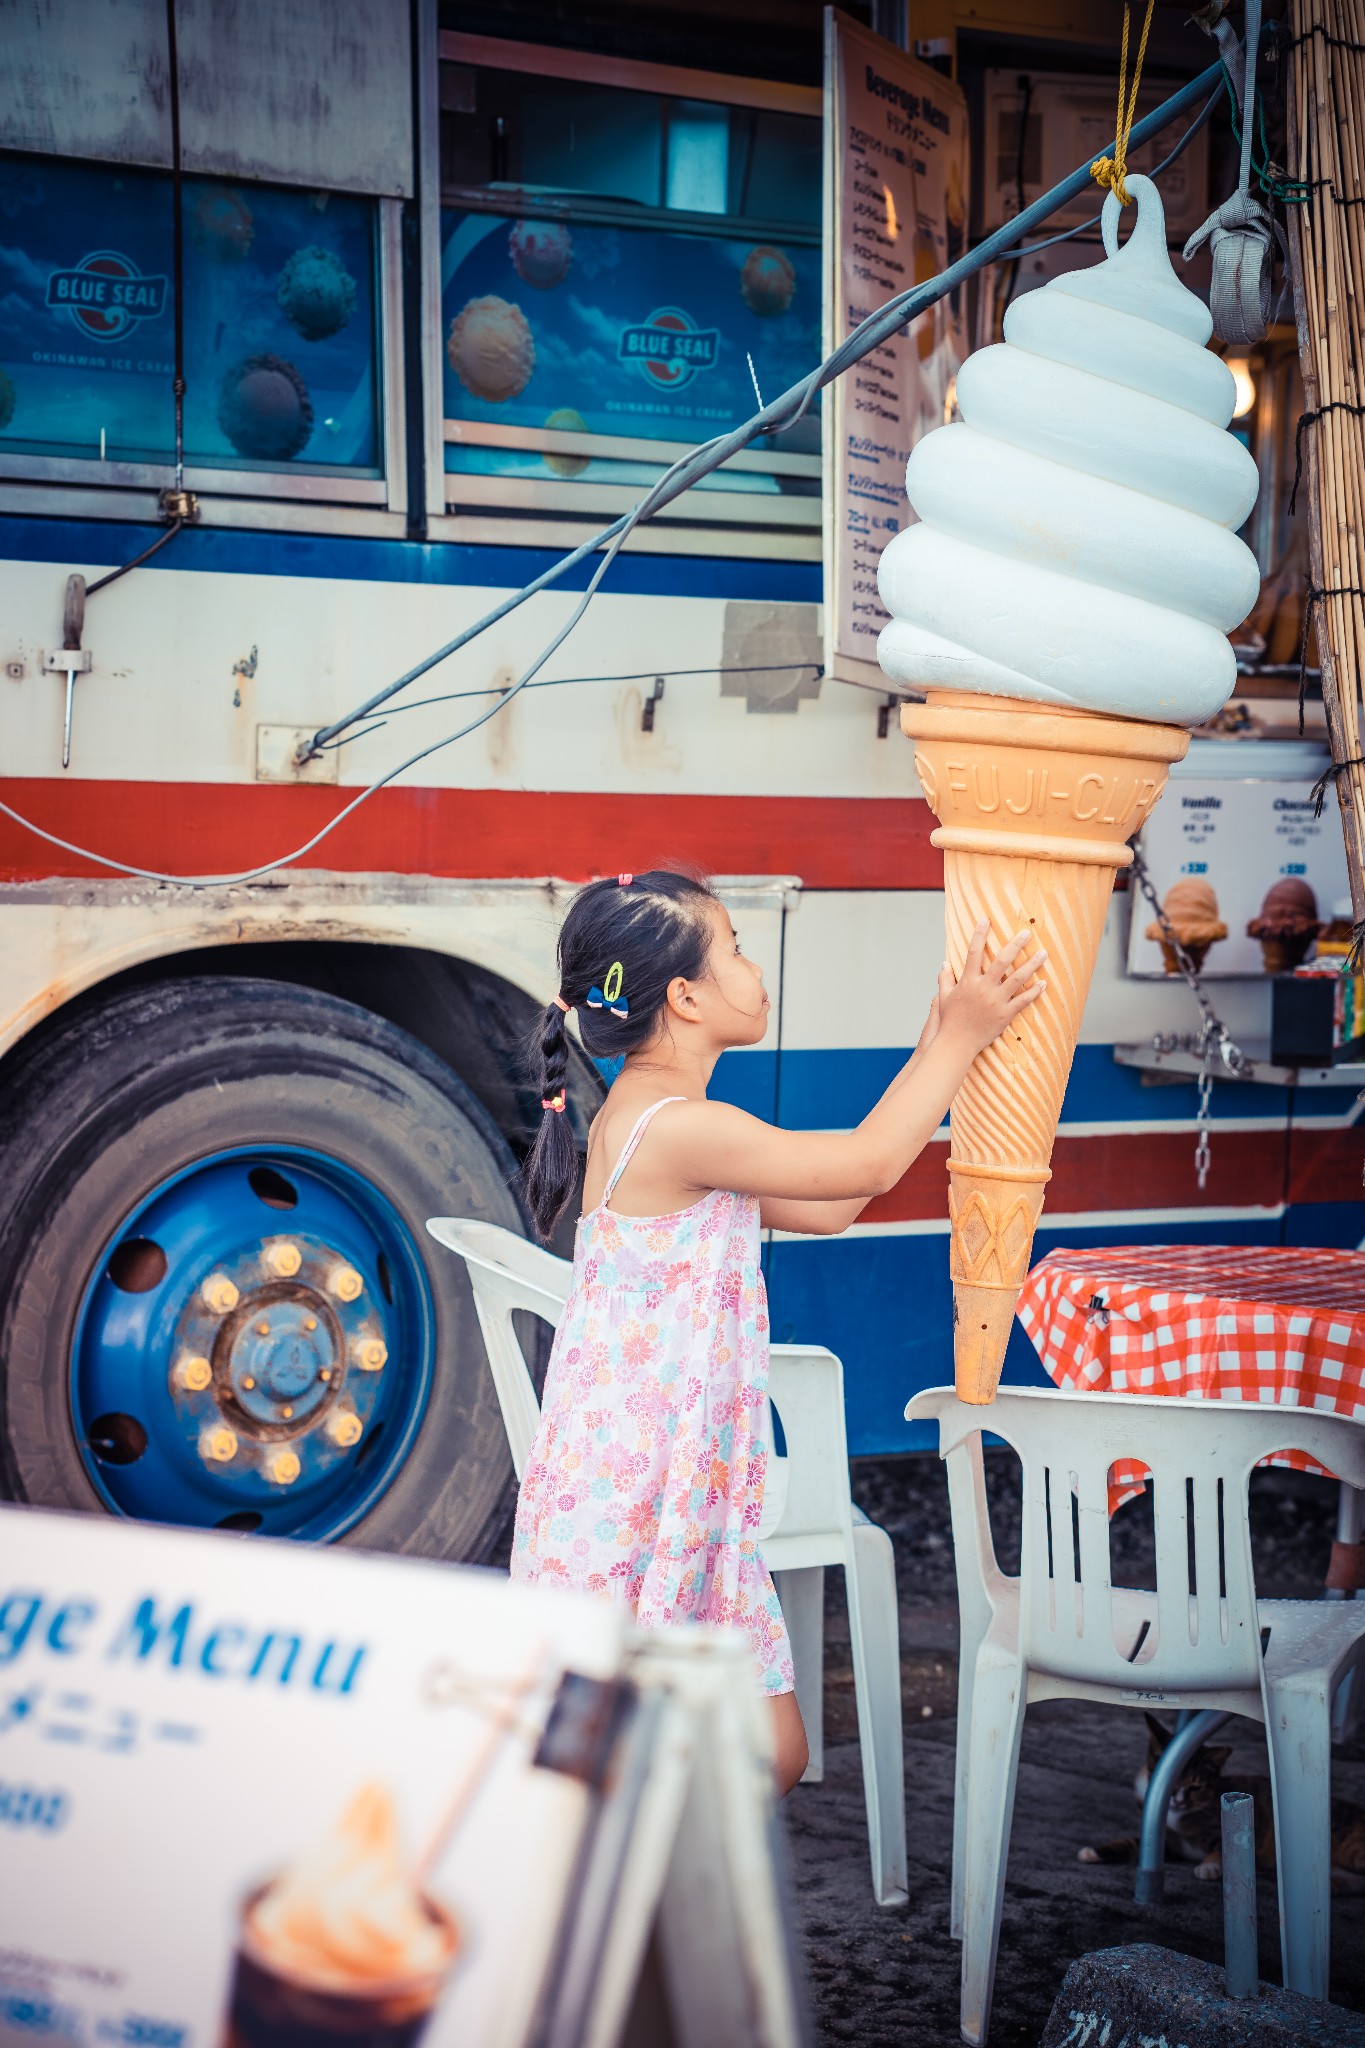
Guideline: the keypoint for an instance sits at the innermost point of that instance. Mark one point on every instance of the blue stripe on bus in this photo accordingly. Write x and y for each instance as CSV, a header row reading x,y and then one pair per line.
x,y
885,1306
833,1090
362,559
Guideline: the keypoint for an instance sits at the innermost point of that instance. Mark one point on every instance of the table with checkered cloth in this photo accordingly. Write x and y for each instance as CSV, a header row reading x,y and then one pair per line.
x,y
1213,1322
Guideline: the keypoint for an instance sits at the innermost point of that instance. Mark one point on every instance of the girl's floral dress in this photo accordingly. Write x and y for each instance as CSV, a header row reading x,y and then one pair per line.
x,y
645,1479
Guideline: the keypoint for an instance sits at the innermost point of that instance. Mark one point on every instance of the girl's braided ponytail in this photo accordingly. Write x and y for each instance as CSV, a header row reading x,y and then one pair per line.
x,y
551,1170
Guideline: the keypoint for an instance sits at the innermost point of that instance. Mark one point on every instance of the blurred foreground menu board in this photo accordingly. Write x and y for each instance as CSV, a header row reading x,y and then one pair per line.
x,y
896,189
271,1795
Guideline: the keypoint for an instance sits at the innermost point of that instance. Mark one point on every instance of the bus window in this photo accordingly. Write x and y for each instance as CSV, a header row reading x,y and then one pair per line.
x,y
623,269
281,352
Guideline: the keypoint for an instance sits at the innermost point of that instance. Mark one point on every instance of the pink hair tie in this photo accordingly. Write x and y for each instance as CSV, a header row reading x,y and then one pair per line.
x,y
625,880
553,1101
560,1004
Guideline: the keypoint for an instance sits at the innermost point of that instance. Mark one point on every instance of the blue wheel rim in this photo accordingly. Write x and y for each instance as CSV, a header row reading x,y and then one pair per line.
x,y
255,1348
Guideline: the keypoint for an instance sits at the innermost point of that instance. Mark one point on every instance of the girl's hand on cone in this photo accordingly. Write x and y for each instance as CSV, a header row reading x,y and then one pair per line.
x,y
990,993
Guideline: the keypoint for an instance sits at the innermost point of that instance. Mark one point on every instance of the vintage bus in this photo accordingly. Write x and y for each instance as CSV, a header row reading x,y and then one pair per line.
x,y
448,295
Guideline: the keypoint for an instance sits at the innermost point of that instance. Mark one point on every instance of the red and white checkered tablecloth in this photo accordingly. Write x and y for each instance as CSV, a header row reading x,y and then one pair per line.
x,y
1216,1322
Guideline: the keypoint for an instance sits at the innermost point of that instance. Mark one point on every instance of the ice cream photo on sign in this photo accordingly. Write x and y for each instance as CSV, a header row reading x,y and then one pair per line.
x,y
344,1945
1287,924
1063,603
1189,923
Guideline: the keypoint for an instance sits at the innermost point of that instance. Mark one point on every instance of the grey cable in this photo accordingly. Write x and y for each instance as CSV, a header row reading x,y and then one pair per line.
x,y
781,413
641,675
1094,219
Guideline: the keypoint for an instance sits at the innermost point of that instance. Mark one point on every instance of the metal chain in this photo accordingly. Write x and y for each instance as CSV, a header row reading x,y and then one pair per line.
x,y
1202,1157
1213,1042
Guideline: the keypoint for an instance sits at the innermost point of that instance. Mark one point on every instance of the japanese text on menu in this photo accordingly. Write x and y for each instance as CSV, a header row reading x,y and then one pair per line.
x,y
900,217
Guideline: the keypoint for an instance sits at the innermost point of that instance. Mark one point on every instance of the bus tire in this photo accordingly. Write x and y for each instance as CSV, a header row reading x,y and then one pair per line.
x,y
118,1106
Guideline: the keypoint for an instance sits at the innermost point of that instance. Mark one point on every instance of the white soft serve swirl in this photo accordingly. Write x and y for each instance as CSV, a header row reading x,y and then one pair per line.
x,y
1074,543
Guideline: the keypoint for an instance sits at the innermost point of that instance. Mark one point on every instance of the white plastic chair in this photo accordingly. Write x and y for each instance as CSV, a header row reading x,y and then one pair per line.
x,y
1061,1630
809,1520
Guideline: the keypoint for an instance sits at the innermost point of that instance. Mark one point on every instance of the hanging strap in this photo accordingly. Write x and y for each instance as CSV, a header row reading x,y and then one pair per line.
x,y
628,1149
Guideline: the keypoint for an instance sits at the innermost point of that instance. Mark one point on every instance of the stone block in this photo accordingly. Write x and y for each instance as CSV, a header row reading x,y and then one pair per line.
x,y
1148,1997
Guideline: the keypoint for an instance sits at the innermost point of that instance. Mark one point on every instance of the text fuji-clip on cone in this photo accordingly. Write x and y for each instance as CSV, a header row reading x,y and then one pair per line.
x,y
1064,603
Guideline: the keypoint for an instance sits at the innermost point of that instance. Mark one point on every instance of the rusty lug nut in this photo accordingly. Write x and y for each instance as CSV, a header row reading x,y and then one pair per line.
x,y
262,1329
284,1468
346,1284
194,1374
345,1429
373,1355
249,1384
310,1322
220,1294
283,1258
326,1373
288,1414
218,1446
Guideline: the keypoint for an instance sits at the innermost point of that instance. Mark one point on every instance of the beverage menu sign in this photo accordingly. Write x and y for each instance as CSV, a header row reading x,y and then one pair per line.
x,y
1245,873
896,215
259,1796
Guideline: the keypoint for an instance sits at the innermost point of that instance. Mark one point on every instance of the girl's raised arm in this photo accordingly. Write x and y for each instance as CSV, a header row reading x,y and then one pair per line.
x,y
712,1145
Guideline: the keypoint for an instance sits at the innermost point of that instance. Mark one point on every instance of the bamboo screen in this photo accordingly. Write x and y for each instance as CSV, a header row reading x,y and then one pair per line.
x,y
1326,121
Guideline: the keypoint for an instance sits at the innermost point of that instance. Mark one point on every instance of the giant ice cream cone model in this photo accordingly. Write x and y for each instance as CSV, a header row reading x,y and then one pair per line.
x,y
1035,805
1064,602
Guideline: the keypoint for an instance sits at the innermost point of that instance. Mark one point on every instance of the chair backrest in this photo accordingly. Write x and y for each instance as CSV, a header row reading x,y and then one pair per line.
x,y
807,1492
1206,1632
507,1272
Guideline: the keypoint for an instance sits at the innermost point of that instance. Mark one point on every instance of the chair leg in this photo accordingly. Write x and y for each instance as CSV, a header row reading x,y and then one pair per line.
x,y
1298,1735
874,1630
802,1597
1346,1704
968,1651
993,1767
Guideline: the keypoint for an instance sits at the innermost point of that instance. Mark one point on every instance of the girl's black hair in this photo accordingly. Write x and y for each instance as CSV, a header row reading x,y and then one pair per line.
x,y
656,926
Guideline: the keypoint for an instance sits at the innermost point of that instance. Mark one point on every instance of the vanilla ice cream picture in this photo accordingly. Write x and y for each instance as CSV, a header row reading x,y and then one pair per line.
x,y
342,1941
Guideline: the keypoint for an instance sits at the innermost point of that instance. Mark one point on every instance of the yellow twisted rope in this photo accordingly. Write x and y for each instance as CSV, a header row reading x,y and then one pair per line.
x,y
1108,170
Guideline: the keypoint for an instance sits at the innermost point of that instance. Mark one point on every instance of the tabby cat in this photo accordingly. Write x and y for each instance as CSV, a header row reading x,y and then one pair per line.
x,y
1194,1824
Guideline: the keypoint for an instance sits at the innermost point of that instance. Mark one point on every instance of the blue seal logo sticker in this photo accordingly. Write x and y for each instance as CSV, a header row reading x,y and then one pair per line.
x,y
106,295
670,348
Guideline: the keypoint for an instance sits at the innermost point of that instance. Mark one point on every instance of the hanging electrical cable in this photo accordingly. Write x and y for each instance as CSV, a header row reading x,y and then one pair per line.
x,y
780,414
783,412
1242,232
1094,219
649,675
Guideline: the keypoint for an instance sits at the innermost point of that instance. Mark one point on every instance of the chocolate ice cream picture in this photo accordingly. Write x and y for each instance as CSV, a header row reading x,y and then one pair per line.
x,y
1287,924
1191,910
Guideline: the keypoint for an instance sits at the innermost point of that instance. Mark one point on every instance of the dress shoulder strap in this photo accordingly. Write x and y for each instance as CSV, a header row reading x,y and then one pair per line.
x,y
638,1130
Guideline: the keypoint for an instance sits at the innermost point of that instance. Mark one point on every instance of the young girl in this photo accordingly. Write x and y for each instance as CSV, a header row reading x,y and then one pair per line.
x,y
645,1481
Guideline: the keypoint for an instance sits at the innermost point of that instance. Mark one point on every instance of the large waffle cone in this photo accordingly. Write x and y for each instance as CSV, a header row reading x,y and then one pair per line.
x,y
1035,806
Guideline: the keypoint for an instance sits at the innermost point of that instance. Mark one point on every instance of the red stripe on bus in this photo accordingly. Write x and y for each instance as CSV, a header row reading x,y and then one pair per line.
x,y
207,828
1137,1169
1326,1165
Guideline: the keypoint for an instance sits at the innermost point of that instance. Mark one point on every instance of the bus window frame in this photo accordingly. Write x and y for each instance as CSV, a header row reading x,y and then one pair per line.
x,y
386,493
700,521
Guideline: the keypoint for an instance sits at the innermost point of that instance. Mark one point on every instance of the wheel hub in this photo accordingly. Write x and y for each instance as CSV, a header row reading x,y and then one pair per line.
x,y
232,1373
279,1358
288,1358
